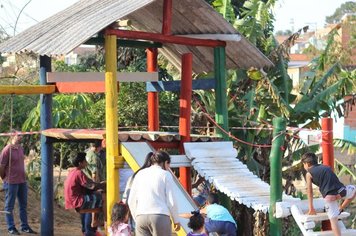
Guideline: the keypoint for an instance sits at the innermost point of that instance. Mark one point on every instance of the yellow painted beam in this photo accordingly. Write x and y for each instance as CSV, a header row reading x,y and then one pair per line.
x,y
27,89
112,140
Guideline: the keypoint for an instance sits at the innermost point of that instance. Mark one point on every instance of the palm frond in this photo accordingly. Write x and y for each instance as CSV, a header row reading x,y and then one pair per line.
x,y
345,145
344,170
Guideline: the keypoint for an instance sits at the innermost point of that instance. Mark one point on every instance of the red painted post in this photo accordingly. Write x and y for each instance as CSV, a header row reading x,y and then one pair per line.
x,y
184,116
167,17
327,142
327,147
152,97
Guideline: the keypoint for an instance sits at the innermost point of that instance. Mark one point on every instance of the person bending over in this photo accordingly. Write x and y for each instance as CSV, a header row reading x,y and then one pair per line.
x,y
218,218
330,187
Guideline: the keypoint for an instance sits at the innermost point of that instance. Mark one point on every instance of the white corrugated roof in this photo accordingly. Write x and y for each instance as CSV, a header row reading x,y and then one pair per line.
x,y
73,26
217,163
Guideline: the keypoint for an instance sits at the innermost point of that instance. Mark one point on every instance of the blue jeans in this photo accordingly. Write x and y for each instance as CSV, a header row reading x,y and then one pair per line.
x,y
224,228
11,192
86,225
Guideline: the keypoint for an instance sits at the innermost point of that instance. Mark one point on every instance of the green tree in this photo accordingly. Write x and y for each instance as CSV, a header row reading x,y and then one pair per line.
x,y
345,8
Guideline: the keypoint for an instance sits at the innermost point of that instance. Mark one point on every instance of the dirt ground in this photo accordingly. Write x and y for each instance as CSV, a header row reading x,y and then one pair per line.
x,y
65,222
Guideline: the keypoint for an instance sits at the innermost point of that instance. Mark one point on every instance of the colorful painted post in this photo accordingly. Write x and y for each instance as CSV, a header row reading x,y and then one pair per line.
x,y
327,147
152,97
167,17
184,115
327,144
277,151
46,153
112,139
221,113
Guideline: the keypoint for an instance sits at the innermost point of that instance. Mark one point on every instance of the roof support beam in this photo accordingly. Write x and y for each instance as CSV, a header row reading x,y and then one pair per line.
x,y
167,17
124,43
165,38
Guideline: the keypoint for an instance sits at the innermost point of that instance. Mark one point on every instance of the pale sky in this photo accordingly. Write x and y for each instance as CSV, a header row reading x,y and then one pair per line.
x,y
301,12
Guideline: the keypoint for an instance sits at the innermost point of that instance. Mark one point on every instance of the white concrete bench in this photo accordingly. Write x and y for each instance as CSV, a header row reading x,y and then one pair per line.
x,y
306,223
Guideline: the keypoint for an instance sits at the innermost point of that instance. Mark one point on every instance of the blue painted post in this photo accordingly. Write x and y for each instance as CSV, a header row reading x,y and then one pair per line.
x,y
46,154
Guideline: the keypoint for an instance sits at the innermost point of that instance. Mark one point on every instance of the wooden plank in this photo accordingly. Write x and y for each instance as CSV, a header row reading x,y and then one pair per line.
x,y
322,216
72,134
125,43
222,37
174,86
80,87
27,89
165,38
53,77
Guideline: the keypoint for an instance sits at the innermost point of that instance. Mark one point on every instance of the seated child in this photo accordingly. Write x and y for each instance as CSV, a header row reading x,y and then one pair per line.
x,y
119,218
196,223
330,187
218,218
80,192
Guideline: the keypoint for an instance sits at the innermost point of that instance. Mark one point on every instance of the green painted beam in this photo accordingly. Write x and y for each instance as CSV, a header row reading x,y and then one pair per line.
x,y
125,43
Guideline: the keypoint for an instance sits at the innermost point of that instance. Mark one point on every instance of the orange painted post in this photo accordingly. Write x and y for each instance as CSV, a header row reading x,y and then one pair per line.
x,y
327,147
184,116
152,97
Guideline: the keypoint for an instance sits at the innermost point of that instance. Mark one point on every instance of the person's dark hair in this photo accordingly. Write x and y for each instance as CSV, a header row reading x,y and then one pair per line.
x,y
95,144
119,212
146,164
196,221
310,158
79,158
213,198
160,157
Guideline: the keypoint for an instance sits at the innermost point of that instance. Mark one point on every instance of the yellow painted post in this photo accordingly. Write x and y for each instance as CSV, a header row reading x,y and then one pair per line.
x,y
112,140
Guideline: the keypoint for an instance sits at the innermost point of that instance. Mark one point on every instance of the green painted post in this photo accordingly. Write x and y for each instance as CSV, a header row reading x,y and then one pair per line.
x,y
221,114
277,150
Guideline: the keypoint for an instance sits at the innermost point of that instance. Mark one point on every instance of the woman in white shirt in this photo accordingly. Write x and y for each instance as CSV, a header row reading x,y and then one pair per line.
x,y
152,200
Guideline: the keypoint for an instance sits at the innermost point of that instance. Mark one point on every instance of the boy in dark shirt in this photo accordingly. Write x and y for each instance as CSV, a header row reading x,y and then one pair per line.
x,y
330,187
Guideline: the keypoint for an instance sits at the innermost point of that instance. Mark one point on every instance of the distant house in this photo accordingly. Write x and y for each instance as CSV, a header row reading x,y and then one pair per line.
x,y
345,127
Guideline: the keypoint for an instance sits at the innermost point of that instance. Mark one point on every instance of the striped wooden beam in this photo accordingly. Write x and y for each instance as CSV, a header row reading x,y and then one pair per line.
x,y
174,86
165,38
53,77
27,89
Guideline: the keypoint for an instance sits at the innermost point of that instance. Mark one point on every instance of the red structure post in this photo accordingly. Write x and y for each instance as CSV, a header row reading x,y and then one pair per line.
x,y
327,147
327,141
184,116
152,97
167,17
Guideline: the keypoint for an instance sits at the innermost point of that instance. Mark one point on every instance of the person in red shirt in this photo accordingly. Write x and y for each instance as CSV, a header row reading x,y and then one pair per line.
x,y
12,171
80,192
